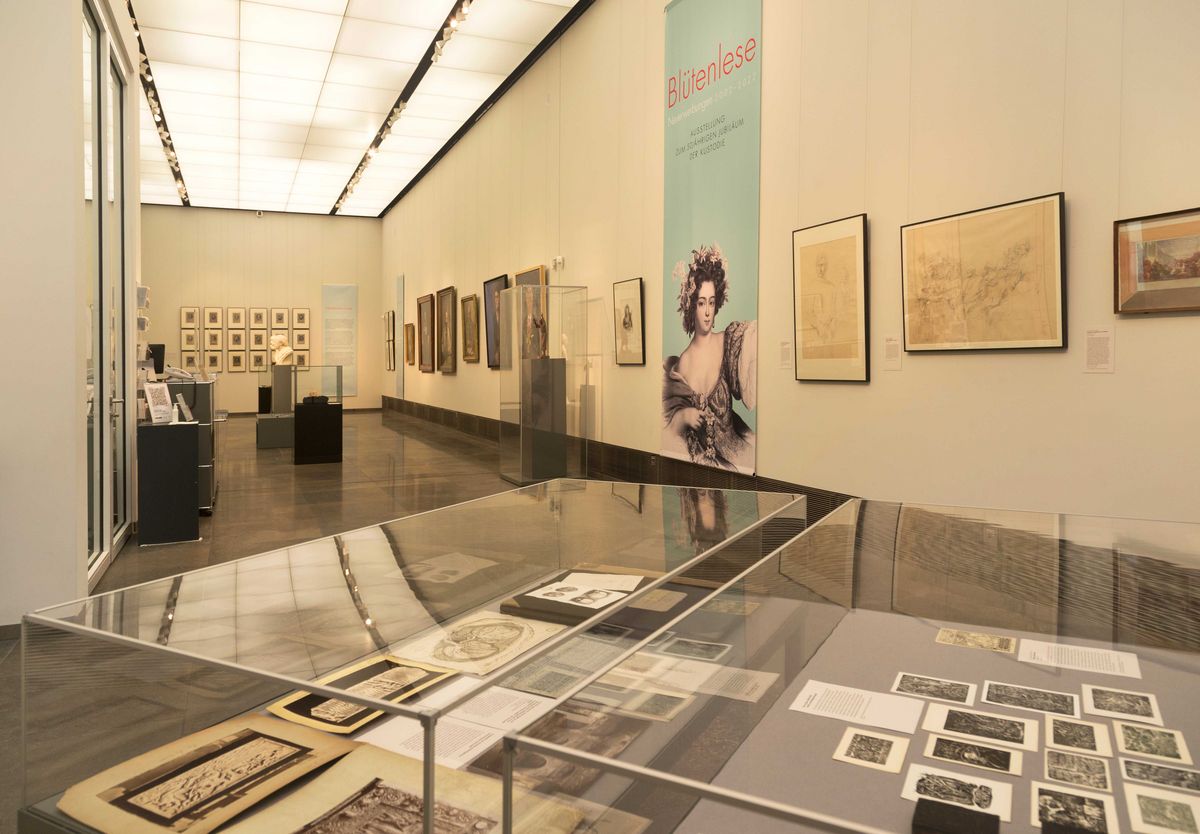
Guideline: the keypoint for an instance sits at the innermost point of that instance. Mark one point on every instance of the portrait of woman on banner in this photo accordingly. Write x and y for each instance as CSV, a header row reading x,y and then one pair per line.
x,y
716,369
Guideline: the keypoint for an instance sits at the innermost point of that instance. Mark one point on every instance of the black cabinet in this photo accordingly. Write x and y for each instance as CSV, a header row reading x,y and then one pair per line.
x,y
318,433
168,482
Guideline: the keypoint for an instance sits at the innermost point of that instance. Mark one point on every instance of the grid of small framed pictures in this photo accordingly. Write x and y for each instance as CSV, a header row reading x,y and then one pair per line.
x,y
237,339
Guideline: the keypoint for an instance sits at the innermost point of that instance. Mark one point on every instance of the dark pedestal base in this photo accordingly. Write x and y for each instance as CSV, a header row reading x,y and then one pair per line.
x,y
264,399
168,483
939,818
274,431
318,433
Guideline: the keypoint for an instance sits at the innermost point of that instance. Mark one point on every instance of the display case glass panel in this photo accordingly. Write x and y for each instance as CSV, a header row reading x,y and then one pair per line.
x,y
317,381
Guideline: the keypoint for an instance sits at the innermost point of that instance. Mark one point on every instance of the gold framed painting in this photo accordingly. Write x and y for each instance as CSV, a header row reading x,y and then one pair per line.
x,y
410,344
829,301
989,279
470,328
1156,263
425,322
447,330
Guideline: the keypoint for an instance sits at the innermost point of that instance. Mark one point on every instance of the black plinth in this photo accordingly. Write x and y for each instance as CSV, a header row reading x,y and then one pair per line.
x,y
264,399
318,433
939,818
168,483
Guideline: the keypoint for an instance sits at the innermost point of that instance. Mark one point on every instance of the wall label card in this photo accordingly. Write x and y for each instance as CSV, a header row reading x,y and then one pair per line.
x,y
925,782
1080,658
875,709
866,748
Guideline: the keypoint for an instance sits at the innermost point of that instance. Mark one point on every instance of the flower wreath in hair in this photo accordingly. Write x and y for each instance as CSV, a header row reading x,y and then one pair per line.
x,y
686,272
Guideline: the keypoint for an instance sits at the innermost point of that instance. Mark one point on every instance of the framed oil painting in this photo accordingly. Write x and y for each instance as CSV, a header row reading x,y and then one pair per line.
x,y
829,301
447,330
990,279
189,317
533,276
235,316
258,318
299,318
410,344
629,325
425,323
491,317
1156,263
470,328
214,317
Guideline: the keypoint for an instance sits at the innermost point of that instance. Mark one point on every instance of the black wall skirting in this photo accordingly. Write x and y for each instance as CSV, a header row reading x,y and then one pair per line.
x,y
606,461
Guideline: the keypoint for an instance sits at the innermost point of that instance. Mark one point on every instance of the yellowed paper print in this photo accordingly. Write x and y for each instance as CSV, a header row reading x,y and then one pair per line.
x,y
991,279
828,311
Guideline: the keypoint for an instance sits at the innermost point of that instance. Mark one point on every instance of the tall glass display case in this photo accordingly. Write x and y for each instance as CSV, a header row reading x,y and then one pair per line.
x,y
546,403
185,701
318,410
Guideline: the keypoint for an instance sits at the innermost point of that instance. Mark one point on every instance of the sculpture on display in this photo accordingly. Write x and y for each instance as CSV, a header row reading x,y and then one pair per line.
x,y
281,351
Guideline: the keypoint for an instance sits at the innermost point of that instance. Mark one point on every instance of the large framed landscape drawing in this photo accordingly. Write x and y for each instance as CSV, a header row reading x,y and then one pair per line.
x,y
1156,262
829,301
989,279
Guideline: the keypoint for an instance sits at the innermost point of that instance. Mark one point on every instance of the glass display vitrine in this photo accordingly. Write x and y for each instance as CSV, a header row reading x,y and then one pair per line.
x,y
1003,663
546,404
316,383
133,698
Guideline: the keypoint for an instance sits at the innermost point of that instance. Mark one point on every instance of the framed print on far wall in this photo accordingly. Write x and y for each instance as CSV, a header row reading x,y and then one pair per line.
x,y
188,340
491,317
629,324
300,358
425,323
235,317
213,361
990,279
190,360
237,361
258,360
258,318
534,276
189,317
258,339
235,339
1156,263
410,344
829,301
214,317
213,339
470,328
447,330
299,318
279,317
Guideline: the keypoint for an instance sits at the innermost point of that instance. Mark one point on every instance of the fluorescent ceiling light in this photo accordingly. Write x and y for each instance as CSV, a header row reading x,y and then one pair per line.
x,y
370,39
190,48
289,27
419,13
211,17
284,61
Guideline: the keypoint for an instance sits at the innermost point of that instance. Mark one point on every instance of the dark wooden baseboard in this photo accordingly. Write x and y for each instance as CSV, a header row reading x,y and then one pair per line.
x,y
606,461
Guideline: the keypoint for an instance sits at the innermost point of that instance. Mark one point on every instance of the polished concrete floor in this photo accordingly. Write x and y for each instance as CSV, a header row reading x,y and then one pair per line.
x,y
392,466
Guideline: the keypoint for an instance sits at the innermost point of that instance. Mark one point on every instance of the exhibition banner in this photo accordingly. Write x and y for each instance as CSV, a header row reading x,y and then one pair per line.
x,y
339,317
712,109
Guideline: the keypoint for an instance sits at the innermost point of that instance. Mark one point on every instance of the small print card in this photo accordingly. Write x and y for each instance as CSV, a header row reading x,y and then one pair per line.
x,y
695,649
1021,733
1078,769
1073,808
875,709
937,689
1069,734
977,640
607,581
1119,703
868,748
1151,743
657,706
925,782
661,600
1155,811
1080,658
972,754
581,596
1167,777
1028,698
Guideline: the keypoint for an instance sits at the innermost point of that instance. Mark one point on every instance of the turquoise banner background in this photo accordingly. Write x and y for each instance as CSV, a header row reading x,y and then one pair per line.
x,y
713,112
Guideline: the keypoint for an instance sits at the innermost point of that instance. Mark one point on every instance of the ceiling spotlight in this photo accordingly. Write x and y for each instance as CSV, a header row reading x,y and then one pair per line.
x,y
454,22
158,117
371,151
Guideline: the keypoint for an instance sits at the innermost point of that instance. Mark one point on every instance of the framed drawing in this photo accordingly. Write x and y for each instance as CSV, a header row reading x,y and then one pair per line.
x,y
299,338
279,317
300,318
237,361
213,339
214,317
829,301
190,360
258,318
410,344
235,339
258,360
470,328
629,325
447,330
1156,263
491,317
188,340
189,317
425,323
235,317
213,361
300,358
258,339
534,276
991,279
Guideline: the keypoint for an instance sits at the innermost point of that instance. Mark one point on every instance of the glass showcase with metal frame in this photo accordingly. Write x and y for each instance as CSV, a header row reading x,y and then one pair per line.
x,y
592,656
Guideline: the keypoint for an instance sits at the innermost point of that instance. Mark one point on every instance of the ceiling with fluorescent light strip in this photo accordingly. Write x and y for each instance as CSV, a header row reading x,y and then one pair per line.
x,y
284,105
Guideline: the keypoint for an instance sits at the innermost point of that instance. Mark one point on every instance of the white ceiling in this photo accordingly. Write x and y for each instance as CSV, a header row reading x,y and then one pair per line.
x,y
271,104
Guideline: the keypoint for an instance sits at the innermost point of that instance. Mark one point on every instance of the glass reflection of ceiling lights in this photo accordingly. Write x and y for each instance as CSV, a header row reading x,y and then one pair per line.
x,y
281,109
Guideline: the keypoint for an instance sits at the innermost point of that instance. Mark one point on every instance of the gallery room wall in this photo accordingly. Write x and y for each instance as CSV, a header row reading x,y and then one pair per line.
x,y
904,110
198,257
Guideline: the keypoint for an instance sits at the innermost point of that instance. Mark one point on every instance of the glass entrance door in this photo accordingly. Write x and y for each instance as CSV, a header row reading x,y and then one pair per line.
x,y
96,411
115,304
